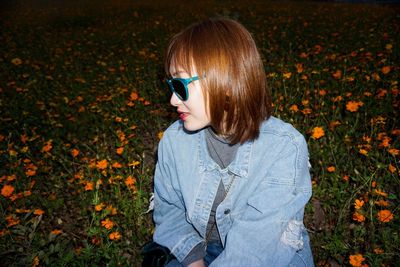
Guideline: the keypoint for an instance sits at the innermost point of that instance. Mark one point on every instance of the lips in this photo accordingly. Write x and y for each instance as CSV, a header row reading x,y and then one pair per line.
x,y
183,115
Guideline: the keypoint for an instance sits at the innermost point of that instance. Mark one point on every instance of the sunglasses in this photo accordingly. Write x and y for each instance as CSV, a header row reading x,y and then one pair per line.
x,y
179,86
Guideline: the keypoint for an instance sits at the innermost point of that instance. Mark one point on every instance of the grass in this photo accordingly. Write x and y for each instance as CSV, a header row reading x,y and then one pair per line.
x,y
83,105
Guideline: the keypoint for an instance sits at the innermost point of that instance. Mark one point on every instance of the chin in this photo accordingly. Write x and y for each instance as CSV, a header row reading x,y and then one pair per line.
x,y
192,127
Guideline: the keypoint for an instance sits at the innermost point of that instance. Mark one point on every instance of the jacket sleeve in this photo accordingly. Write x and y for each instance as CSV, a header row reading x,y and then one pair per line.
x,y
269,231
172,229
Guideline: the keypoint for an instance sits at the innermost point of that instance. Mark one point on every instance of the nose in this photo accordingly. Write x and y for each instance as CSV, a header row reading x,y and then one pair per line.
x,y
175,101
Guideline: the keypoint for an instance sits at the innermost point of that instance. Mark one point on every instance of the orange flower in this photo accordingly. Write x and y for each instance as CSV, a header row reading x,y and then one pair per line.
x,y
117,165
74,152
38,212
130,183
334,124
353,106
337,74
35,261
47,147
392,168
356,260
331,169
363,152
111,209
56,232
386,141
382,203
115,236
299,68
318,132
381,193
358,217
99,207
7,190
107,223
394,152
133,96
3,232
12,220
385,216
120,150
102,164
30,172
358,204
396,132
287,75
378,251
294,108
337,99
89,186
16,61
306,111
385,69
345,178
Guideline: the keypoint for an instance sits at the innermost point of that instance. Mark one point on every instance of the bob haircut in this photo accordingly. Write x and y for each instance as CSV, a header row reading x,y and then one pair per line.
x,y
223,52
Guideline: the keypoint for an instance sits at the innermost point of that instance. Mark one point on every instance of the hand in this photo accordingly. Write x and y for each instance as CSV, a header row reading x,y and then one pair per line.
x,y
199,263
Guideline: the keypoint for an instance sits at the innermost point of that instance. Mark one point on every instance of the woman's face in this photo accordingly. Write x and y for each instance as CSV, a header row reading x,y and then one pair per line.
x,y
193,112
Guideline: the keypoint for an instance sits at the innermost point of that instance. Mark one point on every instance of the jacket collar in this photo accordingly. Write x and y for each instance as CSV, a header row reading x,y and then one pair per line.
x,y
240,164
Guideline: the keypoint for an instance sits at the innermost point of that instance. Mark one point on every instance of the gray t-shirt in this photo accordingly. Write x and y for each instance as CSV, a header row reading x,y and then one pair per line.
x,y
223,154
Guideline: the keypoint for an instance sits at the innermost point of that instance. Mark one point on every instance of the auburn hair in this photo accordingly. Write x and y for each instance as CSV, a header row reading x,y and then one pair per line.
x,y
223,52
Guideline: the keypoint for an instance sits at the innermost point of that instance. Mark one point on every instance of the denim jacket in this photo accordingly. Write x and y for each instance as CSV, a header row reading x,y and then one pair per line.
x,y
260,220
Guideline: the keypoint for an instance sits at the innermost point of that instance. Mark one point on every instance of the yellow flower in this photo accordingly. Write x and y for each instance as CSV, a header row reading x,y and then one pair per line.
x,y
160,135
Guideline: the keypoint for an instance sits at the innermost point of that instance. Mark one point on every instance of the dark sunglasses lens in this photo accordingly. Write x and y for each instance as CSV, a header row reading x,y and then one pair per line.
x,y
179,89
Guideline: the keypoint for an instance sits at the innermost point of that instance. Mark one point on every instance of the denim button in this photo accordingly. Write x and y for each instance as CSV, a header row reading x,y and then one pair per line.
x,y
227,211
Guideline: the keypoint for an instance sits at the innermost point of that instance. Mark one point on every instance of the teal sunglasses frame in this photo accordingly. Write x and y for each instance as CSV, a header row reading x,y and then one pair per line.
x,y
185,82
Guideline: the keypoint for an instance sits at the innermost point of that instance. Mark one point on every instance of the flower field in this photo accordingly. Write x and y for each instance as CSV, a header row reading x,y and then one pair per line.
x,y
83,104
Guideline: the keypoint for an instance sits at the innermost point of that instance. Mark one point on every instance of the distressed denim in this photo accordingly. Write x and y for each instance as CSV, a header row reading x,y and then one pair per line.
x,y
260,220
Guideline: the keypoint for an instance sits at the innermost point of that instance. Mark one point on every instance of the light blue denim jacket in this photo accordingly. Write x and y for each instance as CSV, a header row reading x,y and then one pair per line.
x,y
260,220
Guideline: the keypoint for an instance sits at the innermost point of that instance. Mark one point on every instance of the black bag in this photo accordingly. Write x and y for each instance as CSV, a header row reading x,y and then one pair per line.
x,y
155,255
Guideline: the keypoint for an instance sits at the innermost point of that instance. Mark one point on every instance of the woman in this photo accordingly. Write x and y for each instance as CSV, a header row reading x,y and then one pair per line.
x,y
231,180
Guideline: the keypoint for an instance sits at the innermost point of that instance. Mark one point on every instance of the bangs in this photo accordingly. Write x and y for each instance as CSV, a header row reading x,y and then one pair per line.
x,y
179,54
